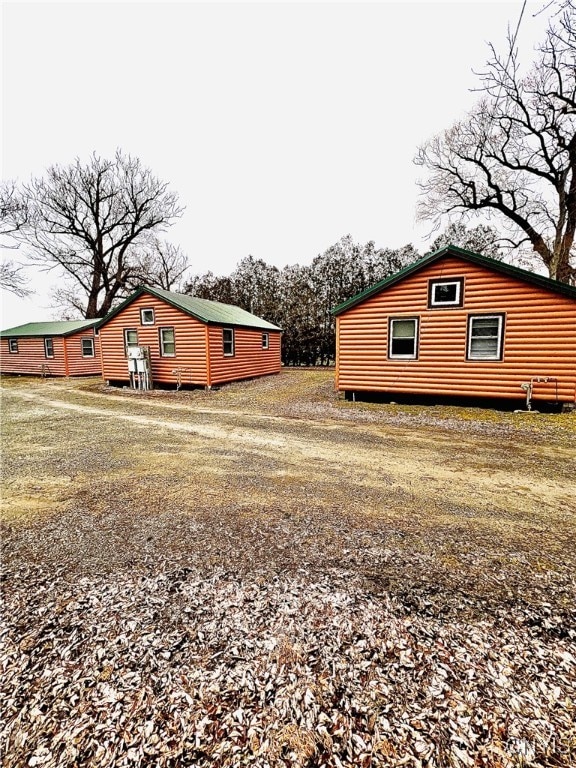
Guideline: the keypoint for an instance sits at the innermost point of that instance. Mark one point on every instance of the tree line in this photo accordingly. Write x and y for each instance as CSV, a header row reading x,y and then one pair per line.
x,y
300,298
100,224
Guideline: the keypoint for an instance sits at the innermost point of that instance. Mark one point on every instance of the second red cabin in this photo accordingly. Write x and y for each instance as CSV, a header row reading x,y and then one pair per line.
x,y
188,341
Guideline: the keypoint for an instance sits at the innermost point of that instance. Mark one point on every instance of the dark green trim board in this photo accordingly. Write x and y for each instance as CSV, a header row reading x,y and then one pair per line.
x,y
475,258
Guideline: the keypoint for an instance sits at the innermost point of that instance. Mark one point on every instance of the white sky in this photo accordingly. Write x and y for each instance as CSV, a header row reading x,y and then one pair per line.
x,y
282,126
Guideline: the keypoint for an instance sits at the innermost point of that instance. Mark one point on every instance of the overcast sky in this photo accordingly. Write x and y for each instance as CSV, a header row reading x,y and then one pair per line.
x,y
282,126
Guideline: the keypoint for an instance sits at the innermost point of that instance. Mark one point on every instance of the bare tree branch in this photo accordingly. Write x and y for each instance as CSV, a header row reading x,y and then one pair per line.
x,y
12,279
86,220
514,155
161,264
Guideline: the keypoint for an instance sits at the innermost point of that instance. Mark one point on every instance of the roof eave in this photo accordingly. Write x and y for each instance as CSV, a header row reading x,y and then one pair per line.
x,y
14,333
148,289
498,266
271,328
91,324
113,312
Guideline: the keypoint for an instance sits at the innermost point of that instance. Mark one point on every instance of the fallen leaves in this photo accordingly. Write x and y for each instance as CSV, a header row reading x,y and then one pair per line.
x,y
225,671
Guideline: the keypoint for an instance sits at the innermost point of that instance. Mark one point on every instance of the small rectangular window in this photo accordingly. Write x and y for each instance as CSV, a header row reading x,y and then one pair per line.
x,y
13,346
130,339
446,293
167,342
147,316
265,341
228,341
49,347
403,338
87,347
485,335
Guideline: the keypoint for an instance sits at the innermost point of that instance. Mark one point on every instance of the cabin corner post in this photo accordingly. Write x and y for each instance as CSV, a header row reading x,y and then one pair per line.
x,y
98,345
208,366
337,356
65,348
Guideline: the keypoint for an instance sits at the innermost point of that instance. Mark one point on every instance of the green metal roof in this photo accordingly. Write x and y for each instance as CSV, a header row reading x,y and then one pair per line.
x,y
211,312
55,328
476,258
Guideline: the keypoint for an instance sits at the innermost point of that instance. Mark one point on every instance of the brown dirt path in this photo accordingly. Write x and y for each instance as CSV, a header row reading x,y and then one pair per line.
x,y
255,479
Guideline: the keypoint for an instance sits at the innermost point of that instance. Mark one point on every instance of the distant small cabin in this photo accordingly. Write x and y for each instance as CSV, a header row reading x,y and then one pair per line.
x,y
188,341
60,348
456,323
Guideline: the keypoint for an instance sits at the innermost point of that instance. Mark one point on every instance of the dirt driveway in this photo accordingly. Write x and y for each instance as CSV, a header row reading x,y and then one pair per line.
x,y
268,576
278,474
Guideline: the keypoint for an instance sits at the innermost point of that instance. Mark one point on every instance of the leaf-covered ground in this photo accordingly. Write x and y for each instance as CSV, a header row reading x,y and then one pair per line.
x,y
269,576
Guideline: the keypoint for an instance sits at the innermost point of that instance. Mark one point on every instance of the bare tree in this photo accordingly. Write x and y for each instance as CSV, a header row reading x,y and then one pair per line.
x,y
13,217
161,264
514,156
87,219
12,279
13,214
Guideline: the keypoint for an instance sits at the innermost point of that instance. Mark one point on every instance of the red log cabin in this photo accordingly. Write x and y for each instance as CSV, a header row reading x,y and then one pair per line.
x,y
188,341
459,324
59,348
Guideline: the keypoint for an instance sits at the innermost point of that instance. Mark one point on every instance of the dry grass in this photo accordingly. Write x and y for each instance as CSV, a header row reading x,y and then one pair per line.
x,y
459,523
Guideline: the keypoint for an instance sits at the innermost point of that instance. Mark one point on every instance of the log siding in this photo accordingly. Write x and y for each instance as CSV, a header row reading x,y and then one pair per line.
x,y
68,359
190,354
539,337
198,358
249,359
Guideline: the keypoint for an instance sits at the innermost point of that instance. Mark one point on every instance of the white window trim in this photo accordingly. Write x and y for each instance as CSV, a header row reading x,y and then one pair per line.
x,y
224,342
265,341
391,322
91,340
499,352
10,343
46,355
147,322
163,353
457,301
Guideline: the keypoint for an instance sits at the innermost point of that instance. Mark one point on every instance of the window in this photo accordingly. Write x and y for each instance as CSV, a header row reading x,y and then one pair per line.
x,y
485,334
403,338
265,341
87,347
13,346
228,341
147,316
446,293
49,347
167,343
130,339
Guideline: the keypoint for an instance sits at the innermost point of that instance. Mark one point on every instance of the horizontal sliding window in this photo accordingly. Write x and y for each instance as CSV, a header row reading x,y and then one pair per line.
x,y
446,293
403,338
147,316
485,337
